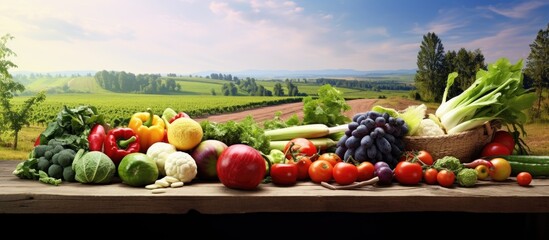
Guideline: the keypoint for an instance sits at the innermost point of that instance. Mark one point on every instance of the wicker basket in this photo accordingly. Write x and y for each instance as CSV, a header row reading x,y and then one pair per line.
x,y
466,146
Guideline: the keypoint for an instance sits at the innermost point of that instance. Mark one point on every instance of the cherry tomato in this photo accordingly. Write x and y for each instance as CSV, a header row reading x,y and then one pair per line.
x,y
321,171
425,157
330,157
301,146
284,173
524,178
422,155
430,176
446,178
505,138
365,171
495,149
303,163
408,173
345,173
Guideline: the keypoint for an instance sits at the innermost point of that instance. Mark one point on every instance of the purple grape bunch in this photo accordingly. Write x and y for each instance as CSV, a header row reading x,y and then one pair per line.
x,y
374,137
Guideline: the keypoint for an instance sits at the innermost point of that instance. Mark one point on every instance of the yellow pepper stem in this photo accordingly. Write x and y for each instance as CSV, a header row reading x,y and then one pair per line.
x,y
148,123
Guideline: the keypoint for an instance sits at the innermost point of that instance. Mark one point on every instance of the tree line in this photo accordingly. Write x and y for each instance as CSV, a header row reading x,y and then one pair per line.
x,y
434,65
131,83
371,85
252,88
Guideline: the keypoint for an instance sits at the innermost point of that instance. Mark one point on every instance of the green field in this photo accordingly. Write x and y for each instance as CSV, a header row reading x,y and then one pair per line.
x,y
118,107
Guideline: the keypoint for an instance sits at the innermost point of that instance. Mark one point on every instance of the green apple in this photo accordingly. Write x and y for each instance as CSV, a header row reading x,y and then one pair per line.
x,y
482,172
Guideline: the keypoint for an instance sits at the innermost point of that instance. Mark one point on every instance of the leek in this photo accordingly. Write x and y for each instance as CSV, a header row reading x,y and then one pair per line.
x,y
496,94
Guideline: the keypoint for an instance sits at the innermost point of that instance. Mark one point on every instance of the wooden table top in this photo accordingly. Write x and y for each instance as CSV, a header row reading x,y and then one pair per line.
x,y
29,196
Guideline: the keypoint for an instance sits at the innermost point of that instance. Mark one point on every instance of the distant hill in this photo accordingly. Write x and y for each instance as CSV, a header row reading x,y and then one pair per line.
x,y
327,73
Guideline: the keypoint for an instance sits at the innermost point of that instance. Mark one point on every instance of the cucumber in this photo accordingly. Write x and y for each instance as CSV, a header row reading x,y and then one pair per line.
x,y
536,169
527,159
538,165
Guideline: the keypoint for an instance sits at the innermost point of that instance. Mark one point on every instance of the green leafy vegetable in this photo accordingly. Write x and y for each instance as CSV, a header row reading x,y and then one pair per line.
x,y
327,109
496,94
246,132
72,126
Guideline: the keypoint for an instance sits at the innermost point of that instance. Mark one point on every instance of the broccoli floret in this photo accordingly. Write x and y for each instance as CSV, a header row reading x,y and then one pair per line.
x,y
55,171
68,174
467,177
55,159
65,157
48,154
43,164
39,151
448,162
54,142
58,149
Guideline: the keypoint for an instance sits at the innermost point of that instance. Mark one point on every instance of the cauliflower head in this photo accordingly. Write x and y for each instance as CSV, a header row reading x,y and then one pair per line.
x,y
428,127
181,165
159,151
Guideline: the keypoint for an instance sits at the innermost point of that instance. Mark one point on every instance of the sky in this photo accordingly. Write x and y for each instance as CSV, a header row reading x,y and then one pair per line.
x,y
189,36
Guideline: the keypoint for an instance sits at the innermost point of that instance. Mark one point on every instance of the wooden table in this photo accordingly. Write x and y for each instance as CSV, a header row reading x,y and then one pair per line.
x,y
29,196
498,209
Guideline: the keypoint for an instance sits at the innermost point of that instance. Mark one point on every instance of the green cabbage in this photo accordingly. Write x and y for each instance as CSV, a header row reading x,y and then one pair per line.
x,y
93,167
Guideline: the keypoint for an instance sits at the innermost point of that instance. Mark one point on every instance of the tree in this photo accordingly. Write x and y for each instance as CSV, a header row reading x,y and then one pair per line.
x,y
537,66
466,64
430,78
13,118
278,90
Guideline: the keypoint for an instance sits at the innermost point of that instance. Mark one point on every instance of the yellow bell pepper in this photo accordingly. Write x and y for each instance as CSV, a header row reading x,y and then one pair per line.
x,y
149,127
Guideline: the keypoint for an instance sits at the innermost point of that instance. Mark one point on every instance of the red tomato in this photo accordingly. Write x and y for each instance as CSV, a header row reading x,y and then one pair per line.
x,y
408,173
446,178
330,157
365,171
524,178
495,149
284,173
430,176
345,173
505,138
303,163
321,171
301,146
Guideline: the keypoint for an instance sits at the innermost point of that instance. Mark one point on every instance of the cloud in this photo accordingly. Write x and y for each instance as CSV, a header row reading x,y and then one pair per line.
x,y
446,21
377,31
508,42
521,10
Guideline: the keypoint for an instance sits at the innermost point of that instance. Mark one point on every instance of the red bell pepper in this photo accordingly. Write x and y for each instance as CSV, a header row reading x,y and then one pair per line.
x,y
37,141
96,137
179,115
121,142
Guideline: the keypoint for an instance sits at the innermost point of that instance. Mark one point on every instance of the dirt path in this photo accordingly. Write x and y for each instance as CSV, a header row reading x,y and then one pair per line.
x,y
287,110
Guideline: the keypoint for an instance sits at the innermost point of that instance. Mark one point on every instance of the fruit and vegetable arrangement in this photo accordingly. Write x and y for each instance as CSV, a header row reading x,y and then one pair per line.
x,y
172,150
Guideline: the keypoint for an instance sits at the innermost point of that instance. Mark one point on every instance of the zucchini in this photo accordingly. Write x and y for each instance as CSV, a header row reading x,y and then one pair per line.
x,y
538,166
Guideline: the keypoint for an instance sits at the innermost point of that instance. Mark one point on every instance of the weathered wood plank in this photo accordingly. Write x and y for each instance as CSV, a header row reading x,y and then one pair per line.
x,y
27,196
